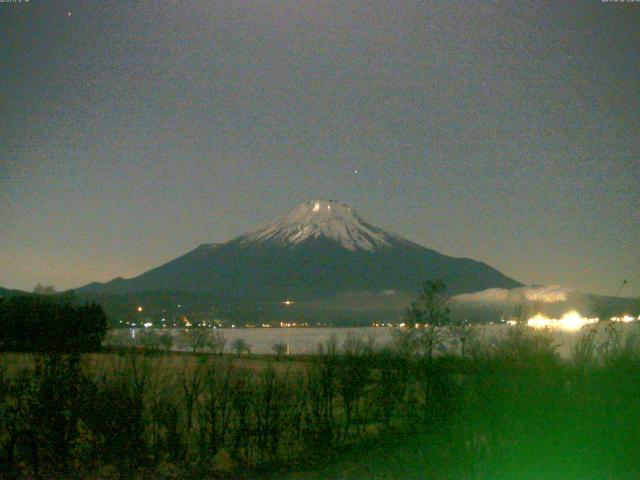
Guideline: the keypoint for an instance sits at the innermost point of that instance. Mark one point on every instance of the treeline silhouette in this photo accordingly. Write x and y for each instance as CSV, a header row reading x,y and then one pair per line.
x,y
511,410
47,323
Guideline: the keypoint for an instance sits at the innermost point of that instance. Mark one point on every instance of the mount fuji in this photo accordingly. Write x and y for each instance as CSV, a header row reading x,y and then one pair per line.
x,y
320,250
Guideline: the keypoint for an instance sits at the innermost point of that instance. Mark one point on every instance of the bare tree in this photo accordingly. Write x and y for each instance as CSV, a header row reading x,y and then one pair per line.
x,y
217,342
166,341
215,408
403,341
280,349
191,378
429,311
240,346
196,338
44,289
147,340
462,333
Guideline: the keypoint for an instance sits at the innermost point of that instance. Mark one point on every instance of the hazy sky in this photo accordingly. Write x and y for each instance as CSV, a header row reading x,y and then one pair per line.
x,y
508,132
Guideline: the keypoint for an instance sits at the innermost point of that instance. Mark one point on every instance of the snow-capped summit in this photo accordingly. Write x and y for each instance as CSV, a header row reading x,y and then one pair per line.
x,y
326,219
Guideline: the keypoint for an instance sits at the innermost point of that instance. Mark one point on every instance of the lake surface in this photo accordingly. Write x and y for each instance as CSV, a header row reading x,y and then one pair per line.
x,y
307,340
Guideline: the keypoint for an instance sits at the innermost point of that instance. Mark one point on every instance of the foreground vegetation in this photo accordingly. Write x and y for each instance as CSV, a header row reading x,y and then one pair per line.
x,y
47,323
514,410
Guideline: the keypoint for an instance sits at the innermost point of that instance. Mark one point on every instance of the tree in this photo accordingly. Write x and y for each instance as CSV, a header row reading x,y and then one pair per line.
x,y
149,340
280,349
240,346
92,326
196,338
44,324
44,289
429,311
403,341
461,332
217,342
431,307
166,341
191,379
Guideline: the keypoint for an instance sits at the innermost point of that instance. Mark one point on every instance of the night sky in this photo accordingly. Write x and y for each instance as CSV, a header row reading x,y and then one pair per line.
x,y
131,132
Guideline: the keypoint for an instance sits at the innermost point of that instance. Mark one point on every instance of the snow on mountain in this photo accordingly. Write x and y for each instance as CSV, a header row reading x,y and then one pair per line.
x,y
322,218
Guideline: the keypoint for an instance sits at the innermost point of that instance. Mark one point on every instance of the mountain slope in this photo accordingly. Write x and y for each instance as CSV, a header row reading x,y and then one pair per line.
x,y
319,249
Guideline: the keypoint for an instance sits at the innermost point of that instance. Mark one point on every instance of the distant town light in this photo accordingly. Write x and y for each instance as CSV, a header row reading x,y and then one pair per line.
x,y
288,302
571,321
147,324
139,309
624,319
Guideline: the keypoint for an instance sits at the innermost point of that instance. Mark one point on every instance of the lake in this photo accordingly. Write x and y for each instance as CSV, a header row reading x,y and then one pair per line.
x,y
307,340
